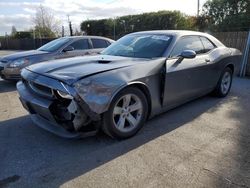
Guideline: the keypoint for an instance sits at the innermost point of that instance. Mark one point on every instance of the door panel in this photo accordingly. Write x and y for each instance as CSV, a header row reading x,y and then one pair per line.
x,y
189,78
95,51
81,47
186,80
68,54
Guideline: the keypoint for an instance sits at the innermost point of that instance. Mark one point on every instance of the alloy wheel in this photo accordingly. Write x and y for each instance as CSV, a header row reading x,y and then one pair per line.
x,y
127,112
226,82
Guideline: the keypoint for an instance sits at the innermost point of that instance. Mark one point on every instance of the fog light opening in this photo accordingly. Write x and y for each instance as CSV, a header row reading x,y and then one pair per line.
x,y
64,95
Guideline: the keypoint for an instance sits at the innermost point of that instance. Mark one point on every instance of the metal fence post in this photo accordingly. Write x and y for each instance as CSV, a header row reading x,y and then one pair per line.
x,y
245,57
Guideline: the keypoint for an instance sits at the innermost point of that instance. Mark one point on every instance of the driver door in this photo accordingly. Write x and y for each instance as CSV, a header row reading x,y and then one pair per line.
x,y
185,80
81,48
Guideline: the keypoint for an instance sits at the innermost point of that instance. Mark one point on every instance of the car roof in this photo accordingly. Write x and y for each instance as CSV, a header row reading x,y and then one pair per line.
x,y
180,33
88,36
171,32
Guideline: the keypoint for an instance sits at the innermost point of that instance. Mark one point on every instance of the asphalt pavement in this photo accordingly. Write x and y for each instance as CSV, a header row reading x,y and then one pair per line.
x,y
204,143
6,52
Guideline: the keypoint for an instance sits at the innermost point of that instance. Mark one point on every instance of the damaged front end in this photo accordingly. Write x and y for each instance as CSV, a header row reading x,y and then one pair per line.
x,y
69,114
56,107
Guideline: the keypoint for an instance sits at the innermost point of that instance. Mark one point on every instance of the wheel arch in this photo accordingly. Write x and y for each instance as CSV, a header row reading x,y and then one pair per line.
x,y
141,86
231,66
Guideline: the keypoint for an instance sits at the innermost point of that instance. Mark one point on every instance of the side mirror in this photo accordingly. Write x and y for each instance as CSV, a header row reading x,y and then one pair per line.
x,y
68,48
189,54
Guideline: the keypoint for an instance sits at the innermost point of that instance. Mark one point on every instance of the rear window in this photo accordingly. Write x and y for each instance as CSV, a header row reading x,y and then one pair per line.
x,y
99,43
208,45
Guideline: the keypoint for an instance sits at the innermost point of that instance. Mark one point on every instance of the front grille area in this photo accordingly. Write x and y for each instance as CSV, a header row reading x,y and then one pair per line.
x,y
39,89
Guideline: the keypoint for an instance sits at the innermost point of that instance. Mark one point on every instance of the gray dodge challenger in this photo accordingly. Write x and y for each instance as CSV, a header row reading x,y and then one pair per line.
x,y
137,77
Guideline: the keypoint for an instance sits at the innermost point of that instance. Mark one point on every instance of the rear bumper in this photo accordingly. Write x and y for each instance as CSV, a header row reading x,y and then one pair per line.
x,y
40,110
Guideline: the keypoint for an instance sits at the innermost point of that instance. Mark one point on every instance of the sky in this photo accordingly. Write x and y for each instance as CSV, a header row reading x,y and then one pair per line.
x,y
19,13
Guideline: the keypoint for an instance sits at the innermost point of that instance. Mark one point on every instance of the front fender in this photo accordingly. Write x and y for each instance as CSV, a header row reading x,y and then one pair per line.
x,y
99,96
98,93
99,90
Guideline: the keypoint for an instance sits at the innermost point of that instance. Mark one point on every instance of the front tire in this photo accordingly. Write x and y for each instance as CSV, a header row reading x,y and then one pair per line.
x,y
224,84
127,114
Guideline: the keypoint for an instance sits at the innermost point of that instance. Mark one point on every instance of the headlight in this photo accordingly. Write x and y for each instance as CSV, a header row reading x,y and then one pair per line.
x,y
18,63
64,95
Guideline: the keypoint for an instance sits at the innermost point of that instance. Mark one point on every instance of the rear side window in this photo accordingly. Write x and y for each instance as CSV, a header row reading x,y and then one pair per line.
x,y
99,43
188,43
208,45
108,43
81,44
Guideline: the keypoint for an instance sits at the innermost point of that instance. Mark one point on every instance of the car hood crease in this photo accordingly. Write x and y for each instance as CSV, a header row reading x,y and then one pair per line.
x,y
73,69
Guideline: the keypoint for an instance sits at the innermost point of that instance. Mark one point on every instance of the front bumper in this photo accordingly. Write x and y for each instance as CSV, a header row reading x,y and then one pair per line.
x,y
40,110
53,127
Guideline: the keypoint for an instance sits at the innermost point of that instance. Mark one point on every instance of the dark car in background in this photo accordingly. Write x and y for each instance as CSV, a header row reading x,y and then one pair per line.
x,y
137,77
65,47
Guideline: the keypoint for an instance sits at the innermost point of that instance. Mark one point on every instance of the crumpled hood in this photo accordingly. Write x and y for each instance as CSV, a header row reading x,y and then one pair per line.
x,y
19,55
72,69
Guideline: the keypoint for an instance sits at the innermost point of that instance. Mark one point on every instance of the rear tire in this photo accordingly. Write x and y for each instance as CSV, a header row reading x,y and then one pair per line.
x,y
224,84
126,114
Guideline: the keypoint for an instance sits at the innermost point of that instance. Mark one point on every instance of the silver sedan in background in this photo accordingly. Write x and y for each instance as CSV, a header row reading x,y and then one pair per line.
x,y
11,65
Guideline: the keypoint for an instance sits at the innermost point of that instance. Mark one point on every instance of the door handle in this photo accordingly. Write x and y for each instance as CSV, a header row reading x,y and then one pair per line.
x,y
207,60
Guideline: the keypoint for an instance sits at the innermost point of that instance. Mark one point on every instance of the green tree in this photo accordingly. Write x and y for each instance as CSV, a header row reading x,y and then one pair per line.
x,y
132,23
43,32
227,15
22,34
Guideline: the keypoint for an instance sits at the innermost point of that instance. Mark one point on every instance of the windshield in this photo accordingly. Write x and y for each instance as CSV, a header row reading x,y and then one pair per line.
x,y
54,45
139,46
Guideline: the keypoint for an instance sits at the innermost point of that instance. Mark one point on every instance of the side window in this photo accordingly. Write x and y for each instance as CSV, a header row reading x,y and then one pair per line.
x,y
99,43
208,45
108,43
81,44
188,43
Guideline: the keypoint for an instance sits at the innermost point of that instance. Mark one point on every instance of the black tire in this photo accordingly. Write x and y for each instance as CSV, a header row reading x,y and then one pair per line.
x,y
218,91
109,125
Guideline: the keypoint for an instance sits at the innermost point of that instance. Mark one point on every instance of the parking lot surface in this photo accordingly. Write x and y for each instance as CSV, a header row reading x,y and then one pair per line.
x,y
6,52
204,143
